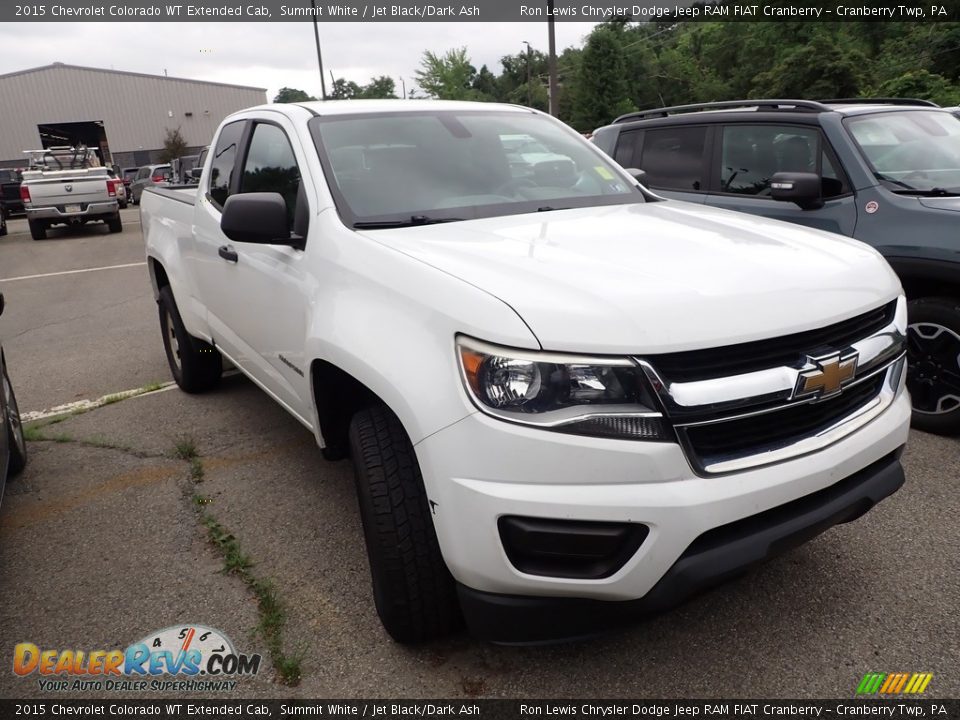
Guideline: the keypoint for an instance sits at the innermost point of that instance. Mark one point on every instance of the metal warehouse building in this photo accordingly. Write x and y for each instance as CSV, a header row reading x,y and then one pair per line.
x,y
123,115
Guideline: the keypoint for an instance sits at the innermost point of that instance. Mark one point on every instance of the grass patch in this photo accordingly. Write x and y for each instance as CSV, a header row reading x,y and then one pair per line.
x,y
185,449
153,387
102,442
236,562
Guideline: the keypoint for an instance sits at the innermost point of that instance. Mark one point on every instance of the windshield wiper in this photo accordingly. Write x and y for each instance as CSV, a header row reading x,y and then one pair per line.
x,y
414,220
932,192
549,208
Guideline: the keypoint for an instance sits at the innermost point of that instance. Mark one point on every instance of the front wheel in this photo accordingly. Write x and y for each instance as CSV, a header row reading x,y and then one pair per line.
x,y
18,445
413,590
933,356
196,365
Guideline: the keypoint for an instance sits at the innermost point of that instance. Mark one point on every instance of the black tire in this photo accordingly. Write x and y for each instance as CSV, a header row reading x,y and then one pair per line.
x,y
196,365
115,224
38,229
18,446
3,225
933,354
413,590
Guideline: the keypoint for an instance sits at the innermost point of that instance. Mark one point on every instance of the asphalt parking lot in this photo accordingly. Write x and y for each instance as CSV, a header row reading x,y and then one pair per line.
x,y
102,539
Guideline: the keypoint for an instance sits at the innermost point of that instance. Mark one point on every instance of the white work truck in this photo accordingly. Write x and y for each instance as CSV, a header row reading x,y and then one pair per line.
x,y
568,401
68,186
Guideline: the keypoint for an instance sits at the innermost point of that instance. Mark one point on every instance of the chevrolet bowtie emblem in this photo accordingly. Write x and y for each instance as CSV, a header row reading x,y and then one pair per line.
x,y
827,376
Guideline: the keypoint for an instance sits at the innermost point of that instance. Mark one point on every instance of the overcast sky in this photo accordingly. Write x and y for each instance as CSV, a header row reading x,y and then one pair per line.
x,y
269,55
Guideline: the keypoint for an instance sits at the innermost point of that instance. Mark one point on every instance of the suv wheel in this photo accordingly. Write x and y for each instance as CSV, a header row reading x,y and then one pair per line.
x,y
933,354
18,446
413,590
196,365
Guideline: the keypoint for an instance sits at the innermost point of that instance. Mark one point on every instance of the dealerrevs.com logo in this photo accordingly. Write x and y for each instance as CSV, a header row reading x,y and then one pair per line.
x,y
199,658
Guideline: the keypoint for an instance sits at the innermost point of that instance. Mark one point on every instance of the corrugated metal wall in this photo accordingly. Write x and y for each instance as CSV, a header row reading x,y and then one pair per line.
x,y
135,109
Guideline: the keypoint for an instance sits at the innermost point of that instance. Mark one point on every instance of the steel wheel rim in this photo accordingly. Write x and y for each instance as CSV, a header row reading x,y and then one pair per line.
x,y
933,356
172,338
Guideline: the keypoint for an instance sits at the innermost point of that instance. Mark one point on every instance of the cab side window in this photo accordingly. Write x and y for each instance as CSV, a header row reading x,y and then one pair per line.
x,y
271,166
224,157
673,157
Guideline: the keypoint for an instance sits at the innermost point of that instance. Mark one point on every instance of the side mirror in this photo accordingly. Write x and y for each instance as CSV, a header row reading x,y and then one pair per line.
x,y
804,189
196,172
639,175
256,218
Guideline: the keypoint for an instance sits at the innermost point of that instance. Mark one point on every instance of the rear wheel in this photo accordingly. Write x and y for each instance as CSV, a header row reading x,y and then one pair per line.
x,y
414,592
18,445
115,224
933,354
38,229
3,223
196,365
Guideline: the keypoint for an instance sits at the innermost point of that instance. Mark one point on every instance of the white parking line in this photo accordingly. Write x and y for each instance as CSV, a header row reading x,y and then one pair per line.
x,y
91,404
73,272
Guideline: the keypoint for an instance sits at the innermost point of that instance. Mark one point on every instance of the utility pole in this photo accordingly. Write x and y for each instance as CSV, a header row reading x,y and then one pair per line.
x,y
529,77
316,36
553,88
404,84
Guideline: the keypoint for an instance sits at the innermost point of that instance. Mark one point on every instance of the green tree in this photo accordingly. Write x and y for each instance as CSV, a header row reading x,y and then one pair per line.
x,y
292,95
378,87
602,87
343,89
447,77
174,145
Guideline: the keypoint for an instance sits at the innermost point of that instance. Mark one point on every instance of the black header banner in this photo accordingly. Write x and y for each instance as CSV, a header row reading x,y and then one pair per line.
x,y
895,709
480,11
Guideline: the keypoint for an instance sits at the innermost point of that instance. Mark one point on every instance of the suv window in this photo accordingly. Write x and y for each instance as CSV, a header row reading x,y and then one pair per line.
x,y
143,172
673,157
224,156
271,166
751,154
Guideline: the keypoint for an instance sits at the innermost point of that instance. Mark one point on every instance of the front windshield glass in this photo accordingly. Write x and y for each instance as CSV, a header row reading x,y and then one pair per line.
x,y
911,150
408,168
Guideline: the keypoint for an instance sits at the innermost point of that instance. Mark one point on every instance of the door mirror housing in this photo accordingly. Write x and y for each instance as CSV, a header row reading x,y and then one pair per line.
x,y
639,175
196,172
804,189
256,218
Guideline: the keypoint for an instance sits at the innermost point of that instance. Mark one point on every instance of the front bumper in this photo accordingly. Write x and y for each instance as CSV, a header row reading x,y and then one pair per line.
x,y
87,210
480,469
716,556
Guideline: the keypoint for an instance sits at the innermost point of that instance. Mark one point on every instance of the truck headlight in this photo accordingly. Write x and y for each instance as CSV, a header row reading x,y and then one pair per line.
x,y
599,396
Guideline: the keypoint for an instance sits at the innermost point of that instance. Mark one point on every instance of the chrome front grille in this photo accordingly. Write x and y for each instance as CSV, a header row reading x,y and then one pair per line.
x,y
736,421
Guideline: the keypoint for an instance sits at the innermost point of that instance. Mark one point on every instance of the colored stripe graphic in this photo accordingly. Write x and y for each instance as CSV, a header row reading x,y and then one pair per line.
x,y
894,683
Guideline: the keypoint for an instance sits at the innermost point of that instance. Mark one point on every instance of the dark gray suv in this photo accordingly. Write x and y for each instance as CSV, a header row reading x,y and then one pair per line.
x,y
884,171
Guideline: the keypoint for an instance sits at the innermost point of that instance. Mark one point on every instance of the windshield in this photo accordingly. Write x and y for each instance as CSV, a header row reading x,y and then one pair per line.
x,y
911,150
409,168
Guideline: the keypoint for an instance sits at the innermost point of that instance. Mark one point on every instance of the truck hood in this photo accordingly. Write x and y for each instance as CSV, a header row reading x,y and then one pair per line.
x,y
655,277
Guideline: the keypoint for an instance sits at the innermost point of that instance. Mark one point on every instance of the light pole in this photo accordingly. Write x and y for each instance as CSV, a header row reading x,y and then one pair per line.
x,y
403,84
554,99
529,78
316,36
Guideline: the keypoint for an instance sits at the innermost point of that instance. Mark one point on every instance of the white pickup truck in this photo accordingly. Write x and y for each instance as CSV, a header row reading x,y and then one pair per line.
x,y
568,401
67,186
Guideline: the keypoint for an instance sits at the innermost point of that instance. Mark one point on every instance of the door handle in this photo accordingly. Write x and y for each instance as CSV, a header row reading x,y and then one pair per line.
x,y
228,253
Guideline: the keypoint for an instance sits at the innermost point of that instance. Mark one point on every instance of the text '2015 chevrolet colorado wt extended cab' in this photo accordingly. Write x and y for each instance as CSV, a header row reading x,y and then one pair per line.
x,y
567,400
